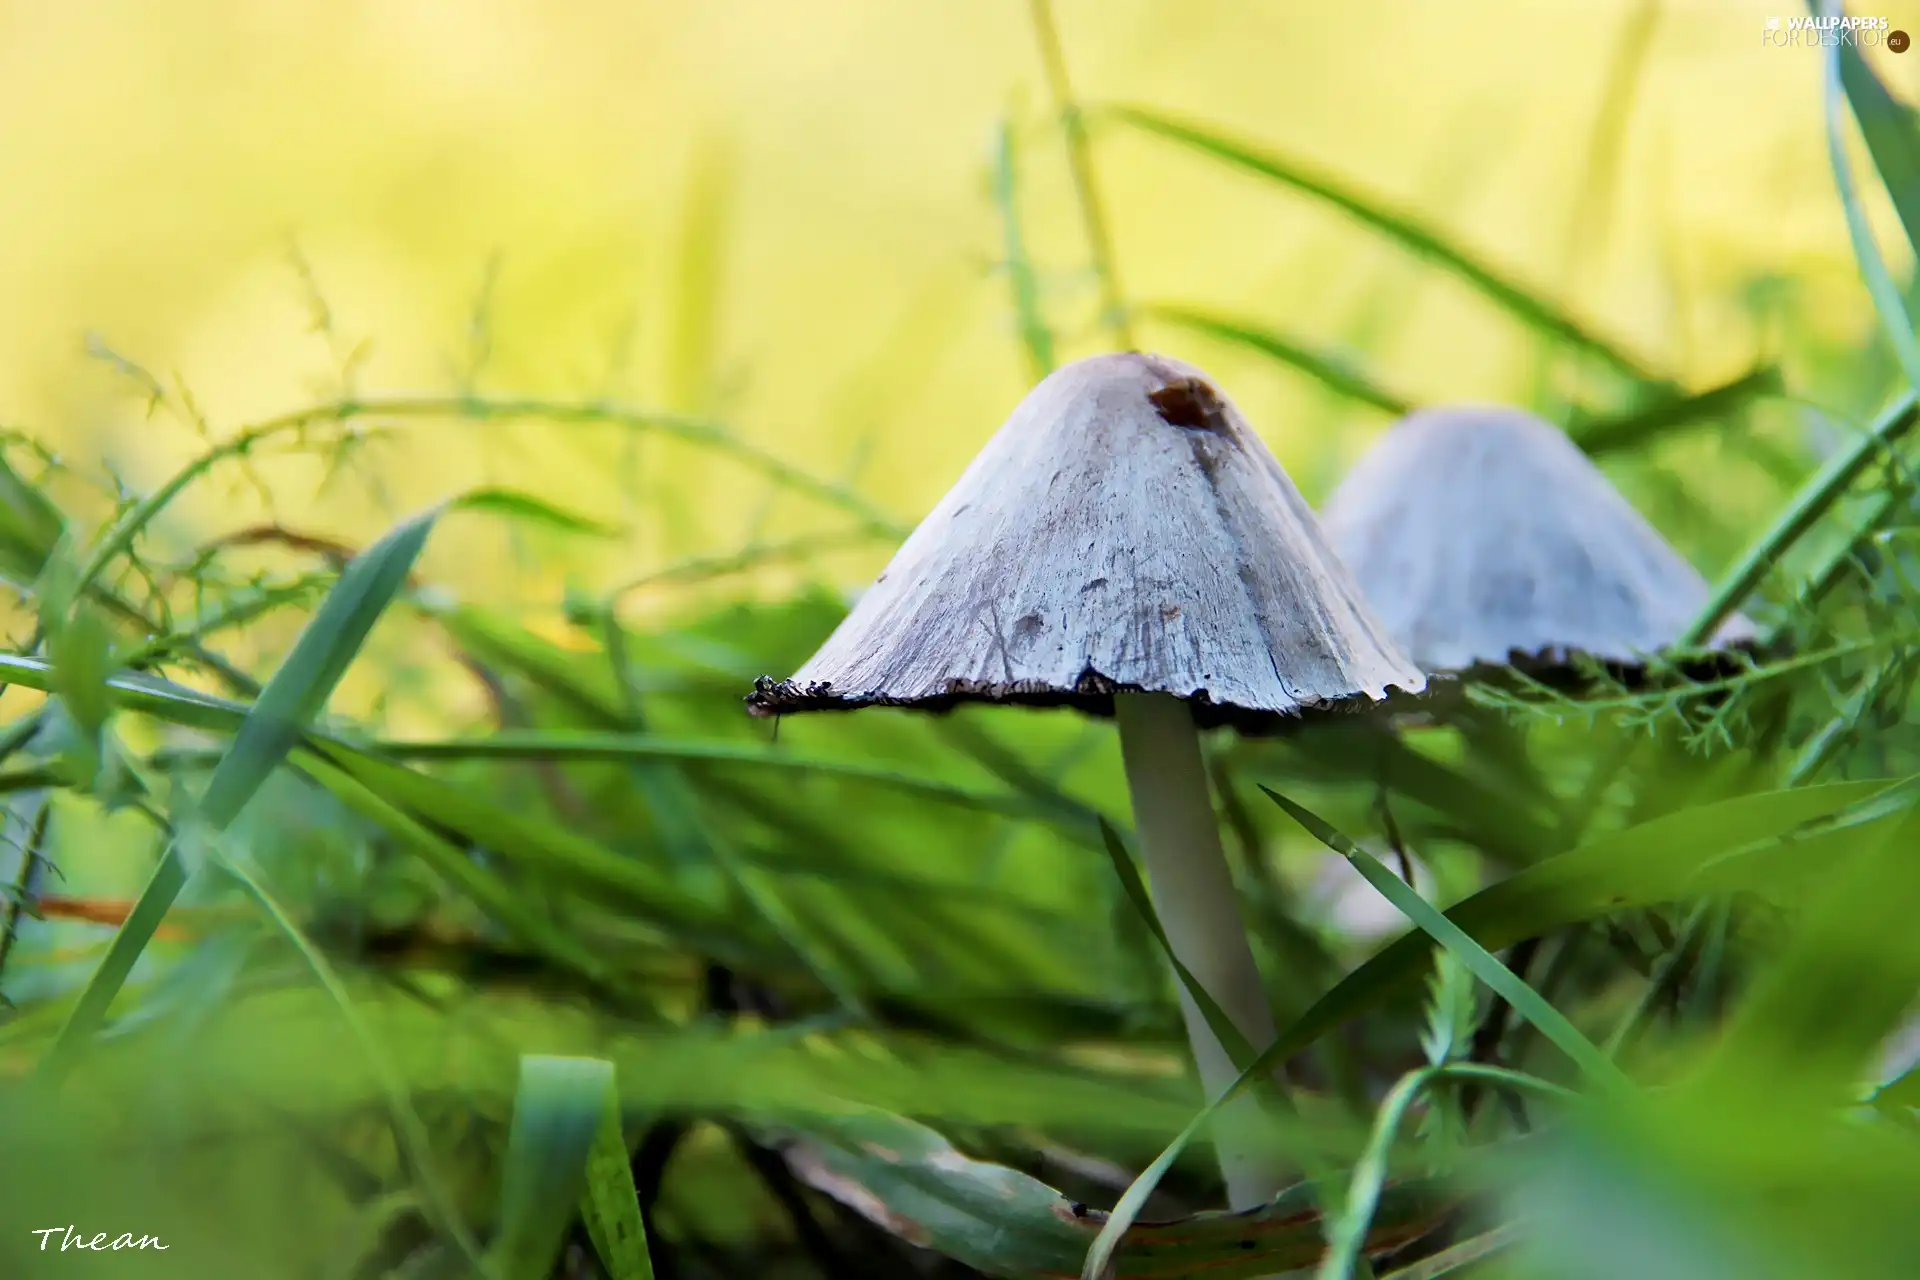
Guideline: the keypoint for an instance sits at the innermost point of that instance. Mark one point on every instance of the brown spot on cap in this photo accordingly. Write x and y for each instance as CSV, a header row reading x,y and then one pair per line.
x,y
1190,403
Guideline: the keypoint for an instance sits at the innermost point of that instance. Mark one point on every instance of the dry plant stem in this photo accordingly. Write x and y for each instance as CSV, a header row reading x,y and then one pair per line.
x,y
1194,896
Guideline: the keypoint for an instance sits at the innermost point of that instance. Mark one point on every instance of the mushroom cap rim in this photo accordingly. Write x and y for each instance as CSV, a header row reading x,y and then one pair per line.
x,y
1092,694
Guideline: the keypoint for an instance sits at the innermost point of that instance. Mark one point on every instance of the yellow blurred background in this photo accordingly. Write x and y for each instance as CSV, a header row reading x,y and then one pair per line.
x,y
778,216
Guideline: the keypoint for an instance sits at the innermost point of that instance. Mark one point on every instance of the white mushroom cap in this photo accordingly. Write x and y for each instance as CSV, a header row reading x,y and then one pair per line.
x,y
1125,531
1484,536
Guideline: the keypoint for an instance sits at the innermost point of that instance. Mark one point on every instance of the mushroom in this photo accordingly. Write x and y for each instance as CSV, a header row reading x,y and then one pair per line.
x,y
1125,545
1485,538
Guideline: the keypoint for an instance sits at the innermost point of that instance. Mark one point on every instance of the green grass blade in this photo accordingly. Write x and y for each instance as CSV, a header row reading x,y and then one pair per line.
x,y
1399,227
129,942
476,409
1816,496
527,509
1830,569
1892,131
488,891
561,1113
563,745
1237,1046
1657,861
118,537
1816,1014
1098,1263
304,682
410,1132
1330,370
1086,191
1238,1049
80,648
537,844
1527,1002
30,527
1507,820
692,841
1347,1236
295,694
611,1209
1035,336
1894,321
178,704
703,433
35,514
149,695
1600,435
237,609
1042,787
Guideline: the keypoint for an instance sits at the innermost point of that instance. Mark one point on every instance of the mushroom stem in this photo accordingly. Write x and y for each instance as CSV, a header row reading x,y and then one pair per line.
x,y
1194,897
